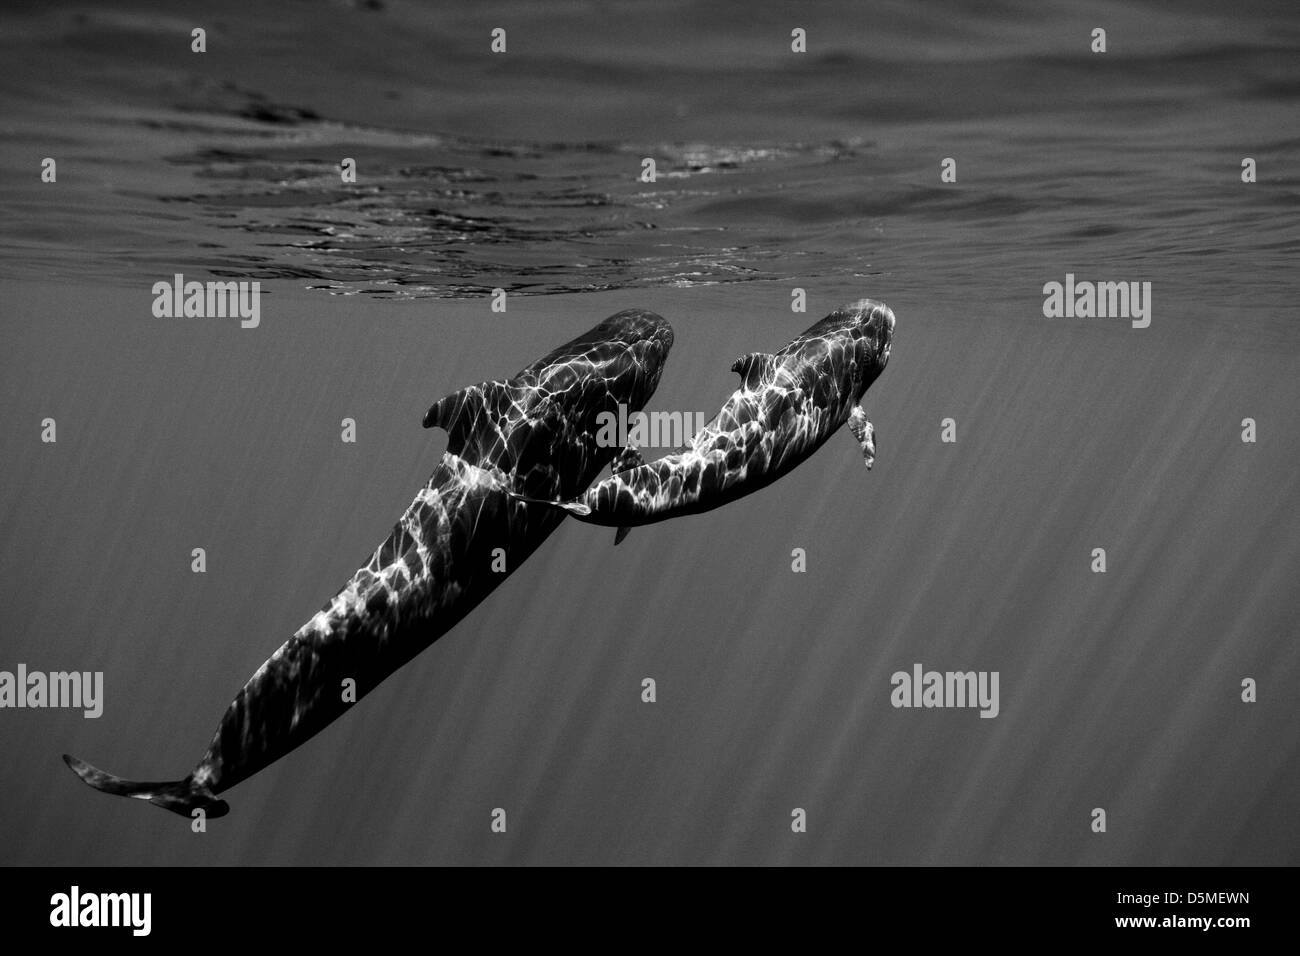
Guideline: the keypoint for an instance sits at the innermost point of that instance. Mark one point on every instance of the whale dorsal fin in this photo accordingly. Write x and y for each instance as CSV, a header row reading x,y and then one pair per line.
x,y
752,367
461,413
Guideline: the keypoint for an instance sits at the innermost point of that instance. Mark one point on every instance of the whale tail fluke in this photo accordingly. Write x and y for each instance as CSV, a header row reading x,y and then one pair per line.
x,y
178,796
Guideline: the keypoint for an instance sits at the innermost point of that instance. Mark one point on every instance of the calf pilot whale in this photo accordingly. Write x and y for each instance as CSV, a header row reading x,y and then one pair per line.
x,y
536,431
787,406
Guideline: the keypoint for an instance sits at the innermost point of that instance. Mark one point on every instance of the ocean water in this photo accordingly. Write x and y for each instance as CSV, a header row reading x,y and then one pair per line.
x,y
776,170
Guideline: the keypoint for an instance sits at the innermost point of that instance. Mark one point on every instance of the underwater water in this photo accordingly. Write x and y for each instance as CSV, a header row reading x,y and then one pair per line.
x,y
776,171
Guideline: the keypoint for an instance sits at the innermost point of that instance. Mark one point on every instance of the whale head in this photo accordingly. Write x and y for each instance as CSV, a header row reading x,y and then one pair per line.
x,y
847,350
872,329
564,400
618,362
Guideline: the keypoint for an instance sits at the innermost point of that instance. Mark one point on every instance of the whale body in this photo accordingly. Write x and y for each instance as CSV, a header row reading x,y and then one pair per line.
x,y
787,406
534,432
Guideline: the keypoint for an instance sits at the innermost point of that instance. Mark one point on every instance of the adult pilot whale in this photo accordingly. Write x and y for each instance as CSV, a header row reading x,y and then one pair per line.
x,y
787,406
535,431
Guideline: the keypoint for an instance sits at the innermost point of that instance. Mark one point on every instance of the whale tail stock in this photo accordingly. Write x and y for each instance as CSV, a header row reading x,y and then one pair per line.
x,y
178,796
576,508
572,507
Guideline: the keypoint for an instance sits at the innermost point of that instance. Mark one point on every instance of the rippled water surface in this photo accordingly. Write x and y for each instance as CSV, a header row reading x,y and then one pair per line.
x,y
521,170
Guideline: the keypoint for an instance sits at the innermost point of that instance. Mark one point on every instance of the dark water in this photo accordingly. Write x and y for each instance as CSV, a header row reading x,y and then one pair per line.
x,y
776,170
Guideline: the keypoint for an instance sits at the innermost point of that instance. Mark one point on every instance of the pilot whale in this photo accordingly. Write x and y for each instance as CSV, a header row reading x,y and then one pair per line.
x,y
537,432
787,406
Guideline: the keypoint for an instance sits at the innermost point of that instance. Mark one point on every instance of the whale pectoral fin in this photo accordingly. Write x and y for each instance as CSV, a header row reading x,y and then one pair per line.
x,y
536,451
462,413
534,473
865,433
753,367
626,460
